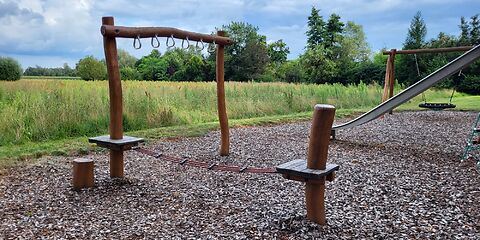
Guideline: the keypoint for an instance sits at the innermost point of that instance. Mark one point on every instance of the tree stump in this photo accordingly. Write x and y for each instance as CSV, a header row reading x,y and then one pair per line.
x,y
83,173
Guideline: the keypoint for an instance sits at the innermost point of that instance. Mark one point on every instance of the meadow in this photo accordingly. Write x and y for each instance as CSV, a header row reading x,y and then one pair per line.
x,y
34,110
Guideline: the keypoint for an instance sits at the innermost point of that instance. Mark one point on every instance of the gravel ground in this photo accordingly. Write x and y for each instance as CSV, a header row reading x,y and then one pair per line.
x,y
400,177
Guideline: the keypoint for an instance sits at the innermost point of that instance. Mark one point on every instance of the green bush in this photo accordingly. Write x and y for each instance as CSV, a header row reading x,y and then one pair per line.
x,y
89,68
470,85
129,73
10,69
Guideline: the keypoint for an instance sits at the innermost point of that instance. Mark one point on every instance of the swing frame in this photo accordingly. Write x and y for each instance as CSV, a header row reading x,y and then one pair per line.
x,y
390,73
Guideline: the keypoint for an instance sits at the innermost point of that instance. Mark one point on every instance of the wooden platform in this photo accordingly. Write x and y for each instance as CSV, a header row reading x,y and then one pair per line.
x,y
298,169
123,144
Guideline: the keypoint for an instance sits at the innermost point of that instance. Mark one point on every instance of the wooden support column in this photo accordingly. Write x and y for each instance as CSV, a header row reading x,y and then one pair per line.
x,y
388,76
323,116
222,109
82,173
391,76
115,91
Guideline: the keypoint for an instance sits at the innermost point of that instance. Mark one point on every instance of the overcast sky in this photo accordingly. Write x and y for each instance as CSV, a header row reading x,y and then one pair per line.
x,y
52,32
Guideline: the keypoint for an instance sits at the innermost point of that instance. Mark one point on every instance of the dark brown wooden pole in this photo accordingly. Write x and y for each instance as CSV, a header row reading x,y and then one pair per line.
x,y
323,116
146,32
222,109
116,108
83,176
392,74
431,50
386,87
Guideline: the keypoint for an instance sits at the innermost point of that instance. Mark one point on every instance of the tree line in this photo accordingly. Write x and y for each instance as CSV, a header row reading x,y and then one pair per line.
x,y
335,52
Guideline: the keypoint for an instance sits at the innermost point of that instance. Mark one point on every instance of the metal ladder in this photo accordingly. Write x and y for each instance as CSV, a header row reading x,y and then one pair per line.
x,y
473,143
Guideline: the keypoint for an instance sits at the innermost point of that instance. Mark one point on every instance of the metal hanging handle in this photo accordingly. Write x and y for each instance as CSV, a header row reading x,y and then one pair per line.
x,y
173,42
203,44
155,45
136,42
214,48
188,43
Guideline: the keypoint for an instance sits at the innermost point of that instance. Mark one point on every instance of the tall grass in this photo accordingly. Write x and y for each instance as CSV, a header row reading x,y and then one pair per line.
x,y
36,110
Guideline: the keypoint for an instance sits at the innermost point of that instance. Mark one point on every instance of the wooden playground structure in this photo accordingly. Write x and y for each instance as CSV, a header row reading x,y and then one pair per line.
x,y
390,68
314,171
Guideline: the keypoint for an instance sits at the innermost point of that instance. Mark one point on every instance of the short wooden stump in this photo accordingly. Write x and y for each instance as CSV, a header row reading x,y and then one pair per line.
x,y
83,173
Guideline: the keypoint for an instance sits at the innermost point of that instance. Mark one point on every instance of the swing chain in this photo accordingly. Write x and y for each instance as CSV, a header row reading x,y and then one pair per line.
x,y
152,42
173,42
136,42
416,64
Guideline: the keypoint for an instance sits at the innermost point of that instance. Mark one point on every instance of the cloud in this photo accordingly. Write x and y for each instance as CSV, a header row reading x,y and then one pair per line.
x,y
69,29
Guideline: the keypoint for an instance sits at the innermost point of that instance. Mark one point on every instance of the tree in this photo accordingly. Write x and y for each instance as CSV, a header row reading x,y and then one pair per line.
x,y
291,71
464,32
89,68
125,59
130,73
318,67
416,33
316,29
10,69
407,70
334,29
475,30
354,45
153,67
278,52
192,70
247,57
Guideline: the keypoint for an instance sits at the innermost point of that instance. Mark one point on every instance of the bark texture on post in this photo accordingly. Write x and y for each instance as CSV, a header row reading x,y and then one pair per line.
x,y
323,116
222,109
116,105
83,176
392,74
388,76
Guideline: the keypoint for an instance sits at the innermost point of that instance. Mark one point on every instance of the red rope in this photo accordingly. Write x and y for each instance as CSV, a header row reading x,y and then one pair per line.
x,y
206,165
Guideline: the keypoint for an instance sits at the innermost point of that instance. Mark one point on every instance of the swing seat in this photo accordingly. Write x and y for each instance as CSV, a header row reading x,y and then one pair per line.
x,y
437,106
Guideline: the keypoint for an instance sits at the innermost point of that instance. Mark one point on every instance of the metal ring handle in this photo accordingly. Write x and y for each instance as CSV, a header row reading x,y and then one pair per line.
x,y
203,44
173,42
214,47
188,43
136,42
152,42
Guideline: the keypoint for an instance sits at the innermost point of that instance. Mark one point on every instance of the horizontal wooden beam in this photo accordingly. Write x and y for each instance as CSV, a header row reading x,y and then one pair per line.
x,y
147,32
430,50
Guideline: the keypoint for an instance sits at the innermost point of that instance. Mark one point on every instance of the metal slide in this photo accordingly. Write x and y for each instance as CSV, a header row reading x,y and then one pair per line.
x,y
417,88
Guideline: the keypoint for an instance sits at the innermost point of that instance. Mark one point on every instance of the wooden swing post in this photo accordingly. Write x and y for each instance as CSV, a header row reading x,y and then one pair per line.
x,y
222,109
389,76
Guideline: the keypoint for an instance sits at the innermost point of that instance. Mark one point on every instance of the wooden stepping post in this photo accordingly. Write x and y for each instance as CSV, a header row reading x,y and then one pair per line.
x,y
315,170
323,116
83,173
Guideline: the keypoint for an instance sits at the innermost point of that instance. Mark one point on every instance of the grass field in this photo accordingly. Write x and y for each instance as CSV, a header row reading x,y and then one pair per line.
x,y
37,110
39,117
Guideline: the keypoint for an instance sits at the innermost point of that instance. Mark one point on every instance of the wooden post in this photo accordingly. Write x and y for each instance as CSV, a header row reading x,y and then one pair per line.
x,y
222,110
391,76
82,173
323,116
388,75
116,108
